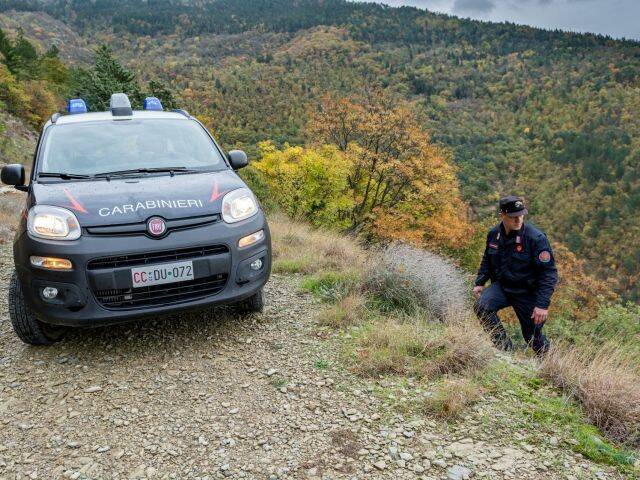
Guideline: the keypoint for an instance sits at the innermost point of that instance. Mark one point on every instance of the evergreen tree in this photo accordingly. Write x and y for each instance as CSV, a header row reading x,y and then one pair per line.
x,y
53,52
164,93
107,77
28,57
11,58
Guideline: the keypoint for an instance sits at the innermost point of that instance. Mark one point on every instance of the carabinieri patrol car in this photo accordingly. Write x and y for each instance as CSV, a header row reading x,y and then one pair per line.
x,y
130,214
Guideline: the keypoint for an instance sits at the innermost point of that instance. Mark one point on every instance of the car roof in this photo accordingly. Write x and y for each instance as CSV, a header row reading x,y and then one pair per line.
x,y
102,116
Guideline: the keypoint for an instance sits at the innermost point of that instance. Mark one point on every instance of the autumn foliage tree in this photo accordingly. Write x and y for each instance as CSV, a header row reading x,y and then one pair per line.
x,y
30,84
402,185
306,183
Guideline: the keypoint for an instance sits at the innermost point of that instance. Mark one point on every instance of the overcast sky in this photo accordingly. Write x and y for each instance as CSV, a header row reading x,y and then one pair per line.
x,y
618,18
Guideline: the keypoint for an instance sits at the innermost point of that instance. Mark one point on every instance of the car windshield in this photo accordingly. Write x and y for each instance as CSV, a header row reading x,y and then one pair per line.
x,y
89,148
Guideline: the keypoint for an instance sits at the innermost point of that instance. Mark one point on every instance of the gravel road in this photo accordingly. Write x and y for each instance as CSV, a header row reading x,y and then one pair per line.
x,y
211,395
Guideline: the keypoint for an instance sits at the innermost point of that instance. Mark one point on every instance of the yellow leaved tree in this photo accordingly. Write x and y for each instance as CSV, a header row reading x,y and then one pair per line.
x,y
307,183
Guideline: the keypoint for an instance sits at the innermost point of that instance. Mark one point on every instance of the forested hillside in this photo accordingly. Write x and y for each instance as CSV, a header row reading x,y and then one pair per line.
x,y
550,115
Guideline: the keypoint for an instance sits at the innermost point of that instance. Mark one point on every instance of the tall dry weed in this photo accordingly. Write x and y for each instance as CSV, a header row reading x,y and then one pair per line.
x,y
411,279
604,382
467,349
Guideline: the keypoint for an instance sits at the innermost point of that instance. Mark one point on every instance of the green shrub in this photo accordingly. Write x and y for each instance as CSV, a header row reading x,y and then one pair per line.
x,y
331,286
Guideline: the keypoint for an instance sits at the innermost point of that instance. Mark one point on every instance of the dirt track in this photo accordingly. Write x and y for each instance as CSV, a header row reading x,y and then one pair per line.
x,y
211,395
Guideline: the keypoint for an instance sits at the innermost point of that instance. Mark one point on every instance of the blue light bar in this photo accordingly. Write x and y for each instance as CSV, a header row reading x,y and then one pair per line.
x,y
152,103
76,105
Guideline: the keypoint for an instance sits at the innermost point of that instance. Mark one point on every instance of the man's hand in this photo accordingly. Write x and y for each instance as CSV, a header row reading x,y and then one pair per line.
x,y
477,291
539,315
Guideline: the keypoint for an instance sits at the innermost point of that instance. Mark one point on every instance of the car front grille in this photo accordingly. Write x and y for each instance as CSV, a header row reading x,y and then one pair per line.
x,y
158,295
138,259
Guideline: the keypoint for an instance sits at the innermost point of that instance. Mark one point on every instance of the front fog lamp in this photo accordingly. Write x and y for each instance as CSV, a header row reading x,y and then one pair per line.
x,y
238,205
51,263
251,239
256,264
52,223
49,293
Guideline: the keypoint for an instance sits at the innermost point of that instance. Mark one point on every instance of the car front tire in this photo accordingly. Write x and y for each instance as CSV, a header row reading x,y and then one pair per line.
x,y
253,304
25,324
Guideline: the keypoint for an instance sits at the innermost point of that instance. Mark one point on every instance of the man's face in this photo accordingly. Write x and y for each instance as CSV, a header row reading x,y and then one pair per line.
x,y
512,223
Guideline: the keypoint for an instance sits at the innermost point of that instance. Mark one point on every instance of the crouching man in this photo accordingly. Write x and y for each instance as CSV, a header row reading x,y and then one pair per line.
x,y
519,262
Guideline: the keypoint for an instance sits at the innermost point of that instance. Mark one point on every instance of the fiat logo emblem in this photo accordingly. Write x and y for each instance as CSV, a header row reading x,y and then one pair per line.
x,y
156,226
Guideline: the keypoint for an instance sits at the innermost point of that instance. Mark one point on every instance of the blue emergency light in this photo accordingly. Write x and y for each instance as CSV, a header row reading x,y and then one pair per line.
x,y
152,103
76,105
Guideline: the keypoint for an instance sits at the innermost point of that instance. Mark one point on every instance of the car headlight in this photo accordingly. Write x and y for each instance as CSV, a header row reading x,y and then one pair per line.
x,y
238,205
53,223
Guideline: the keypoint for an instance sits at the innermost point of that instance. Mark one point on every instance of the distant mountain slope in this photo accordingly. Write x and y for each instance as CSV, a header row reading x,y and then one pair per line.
x,y
45,31
550,115
369,21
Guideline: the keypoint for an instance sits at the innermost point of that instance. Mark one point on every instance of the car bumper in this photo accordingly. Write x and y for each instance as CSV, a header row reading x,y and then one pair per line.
x,y
100,292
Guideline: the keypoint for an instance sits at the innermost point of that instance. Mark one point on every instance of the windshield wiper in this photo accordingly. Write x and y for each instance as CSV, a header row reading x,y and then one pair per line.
x,y
145,170
63,175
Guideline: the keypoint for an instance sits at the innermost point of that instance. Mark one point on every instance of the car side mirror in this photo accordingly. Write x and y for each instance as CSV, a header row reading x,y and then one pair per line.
x,y
238,159
13,175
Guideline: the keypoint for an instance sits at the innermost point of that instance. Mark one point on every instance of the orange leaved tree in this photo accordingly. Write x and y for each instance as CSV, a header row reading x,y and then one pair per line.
x,y
403,186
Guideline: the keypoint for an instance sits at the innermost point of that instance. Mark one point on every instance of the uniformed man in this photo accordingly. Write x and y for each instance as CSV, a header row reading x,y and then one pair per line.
x,y
519,262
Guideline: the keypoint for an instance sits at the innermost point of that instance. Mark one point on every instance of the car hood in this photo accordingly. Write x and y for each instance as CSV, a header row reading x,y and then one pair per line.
x,y
131,200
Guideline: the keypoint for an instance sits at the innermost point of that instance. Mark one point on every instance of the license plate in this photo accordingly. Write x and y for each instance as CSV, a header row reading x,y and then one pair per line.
x,y
163,273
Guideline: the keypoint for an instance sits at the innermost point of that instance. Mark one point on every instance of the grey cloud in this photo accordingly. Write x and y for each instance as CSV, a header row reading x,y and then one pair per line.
x,y
618,18
473,6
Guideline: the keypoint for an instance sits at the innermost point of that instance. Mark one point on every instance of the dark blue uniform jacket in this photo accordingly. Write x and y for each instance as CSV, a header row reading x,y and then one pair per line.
x,y
522,262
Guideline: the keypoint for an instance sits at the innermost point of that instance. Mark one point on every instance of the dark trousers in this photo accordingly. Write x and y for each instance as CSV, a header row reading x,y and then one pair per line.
x,y
494,298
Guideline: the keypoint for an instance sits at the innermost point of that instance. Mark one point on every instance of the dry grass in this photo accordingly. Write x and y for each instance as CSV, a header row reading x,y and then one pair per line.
x,y
422,349
298,248
11,205
395,306
452,397
411,306
467,349
350,310
394,348
605,383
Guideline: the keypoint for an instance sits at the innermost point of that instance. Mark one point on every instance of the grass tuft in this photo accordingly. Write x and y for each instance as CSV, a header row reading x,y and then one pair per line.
x,y
452,397
542,410
289,266
606,385
350,310
321,364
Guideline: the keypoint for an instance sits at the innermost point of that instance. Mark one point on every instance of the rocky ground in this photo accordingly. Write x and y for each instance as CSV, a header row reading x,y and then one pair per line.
x,y
211,395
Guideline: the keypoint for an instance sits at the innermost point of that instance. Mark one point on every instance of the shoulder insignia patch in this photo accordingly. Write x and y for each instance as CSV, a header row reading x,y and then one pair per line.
x,y
544,256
